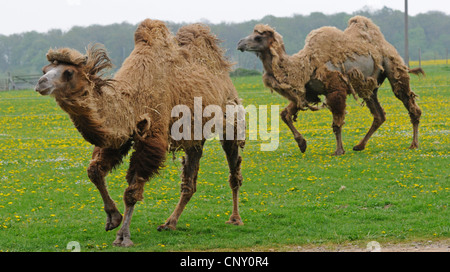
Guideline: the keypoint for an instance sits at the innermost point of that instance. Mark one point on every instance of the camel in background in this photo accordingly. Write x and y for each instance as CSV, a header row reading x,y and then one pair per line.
x,y
335,63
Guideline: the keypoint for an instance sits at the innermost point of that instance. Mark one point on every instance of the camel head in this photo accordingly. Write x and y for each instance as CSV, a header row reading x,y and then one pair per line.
x,y
263,39
70,71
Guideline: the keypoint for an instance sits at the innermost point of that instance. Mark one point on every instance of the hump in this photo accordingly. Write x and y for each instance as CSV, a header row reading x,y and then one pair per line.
x,y
326,34
203,46
363,28
150,31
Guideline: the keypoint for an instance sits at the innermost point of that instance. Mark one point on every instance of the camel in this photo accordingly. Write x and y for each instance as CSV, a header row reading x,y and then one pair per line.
x,y
133,110
334,63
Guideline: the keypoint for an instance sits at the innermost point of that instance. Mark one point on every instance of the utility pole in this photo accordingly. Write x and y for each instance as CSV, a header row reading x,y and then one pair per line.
x,y
406,34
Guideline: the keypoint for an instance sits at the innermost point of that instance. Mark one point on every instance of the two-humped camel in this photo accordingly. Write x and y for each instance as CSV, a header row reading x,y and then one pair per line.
x,y
133,110
334,63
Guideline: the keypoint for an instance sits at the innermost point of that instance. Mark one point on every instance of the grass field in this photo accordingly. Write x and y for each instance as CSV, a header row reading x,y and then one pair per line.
x,y
386,193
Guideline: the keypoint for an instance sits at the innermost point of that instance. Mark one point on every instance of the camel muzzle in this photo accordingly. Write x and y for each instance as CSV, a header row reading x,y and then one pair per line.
x,y
44,87
242,46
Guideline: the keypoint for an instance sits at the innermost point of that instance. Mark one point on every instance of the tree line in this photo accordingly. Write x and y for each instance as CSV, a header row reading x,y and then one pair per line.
x,y
24,53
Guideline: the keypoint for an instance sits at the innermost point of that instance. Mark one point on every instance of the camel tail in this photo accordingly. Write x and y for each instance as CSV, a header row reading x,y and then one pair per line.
x,y
417,71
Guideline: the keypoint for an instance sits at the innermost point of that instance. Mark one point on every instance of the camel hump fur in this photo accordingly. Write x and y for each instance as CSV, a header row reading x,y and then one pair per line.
x,y
151,31
203,46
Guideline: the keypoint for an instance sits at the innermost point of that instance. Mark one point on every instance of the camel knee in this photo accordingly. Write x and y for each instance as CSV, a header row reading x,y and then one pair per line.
x,y
96,172
285,115
379,120
235,178
134,192
415,115
188,188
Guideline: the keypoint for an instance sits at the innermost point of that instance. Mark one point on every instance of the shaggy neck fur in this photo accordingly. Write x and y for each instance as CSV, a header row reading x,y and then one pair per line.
x,y
282,72
91,111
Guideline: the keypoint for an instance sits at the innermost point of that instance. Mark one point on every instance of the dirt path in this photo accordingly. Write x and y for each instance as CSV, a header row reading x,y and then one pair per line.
x,y
422,246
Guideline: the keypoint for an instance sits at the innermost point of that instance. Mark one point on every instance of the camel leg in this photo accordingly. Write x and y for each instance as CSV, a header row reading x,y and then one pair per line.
x,y
191,165
231,149
286,115
379,116
148,157
103,161
401,88
132,195
336,102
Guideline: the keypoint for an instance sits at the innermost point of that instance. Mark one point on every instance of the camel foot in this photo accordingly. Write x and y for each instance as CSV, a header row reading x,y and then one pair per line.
x,y
301,142
338,152
123,241
113,220
166,227
235,220
358,147
414,145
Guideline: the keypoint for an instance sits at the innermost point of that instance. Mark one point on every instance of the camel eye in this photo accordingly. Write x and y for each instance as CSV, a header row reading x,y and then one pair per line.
x,y
258,38
68,74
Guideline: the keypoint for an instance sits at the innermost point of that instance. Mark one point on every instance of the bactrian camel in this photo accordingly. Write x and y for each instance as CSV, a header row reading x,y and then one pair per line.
x,y
133,110
334,63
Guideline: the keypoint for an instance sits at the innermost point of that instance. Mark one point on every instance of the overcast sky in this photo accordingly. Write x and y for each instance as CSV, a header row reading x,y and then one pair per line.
x,y
27,15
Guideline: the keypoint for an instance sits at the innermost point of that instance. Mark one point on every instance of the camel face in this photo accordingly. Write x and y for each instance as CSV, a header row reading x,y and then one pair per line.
x,y
56,78
257,42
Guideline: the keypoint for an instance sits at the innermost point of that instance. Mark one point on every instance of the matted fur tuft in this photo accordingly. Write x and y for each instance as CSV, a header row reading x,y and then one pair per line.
x,y
67,56
203,46
151,32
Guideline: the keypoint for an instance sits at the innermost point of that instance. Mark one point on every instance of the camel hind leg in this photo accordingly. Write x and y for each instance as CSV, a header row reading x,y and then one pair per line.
x,y
399,80
379,116
336,102
191,165
231,149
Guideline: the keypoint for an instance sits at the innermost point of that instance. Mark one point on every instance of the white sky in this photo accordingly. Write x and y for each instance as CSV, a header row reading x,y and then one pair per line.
x,y
18,16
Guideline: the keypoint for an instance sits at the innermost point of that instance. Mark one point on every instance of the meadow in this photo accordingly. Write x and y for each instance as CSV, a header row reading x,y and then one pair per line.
x,y
386,193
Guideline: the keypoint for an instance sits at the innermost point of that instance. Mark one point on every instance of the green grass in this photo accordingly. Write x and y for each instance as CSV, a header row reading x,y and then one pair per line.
x,y
384,193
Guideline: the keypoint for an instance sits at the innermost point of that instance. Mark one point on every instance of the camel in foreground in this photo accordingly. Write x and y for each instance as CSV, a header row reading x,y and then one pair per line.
x,y
334,63
133,110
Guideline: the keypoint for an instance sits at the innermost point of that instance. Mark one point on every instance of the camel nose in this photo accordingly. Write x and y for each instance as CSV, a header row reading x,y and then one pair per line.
x,y
241,45
40,83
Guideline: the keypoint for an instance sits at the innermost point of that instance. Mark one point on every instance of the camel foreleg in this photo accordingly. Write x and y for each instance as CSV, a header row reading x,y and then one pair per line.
x,y
287,116
145,162
103,161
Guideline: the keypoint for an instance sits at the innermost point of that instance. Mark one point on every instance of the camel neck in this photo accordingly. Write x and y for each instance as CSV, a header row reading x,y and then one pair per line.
x,y
274,64
89,117
266,59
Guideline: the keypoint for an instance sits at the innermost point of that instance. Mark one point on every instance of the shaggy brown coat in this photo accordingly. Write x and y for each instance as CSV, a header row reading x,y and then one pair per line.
x,y
331,45
330,65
